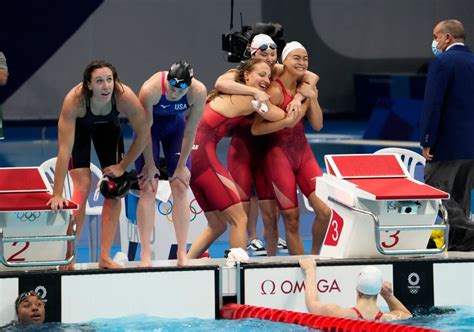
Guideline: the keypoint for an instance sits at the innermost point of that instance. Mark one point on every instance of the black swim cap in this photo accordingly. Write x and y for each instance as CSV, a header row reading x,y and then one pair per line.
x,y
179,73
114,188
23,296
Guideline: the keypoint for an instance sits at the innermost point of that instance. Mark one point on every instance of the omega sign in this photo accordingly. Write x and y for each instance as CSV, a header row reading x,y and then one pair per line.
x,y
270,287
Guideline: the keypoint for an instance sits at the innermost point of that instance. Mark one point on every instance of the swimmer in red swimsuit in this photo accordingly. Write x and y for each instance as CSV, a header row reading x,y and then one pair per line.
x,y
289,159
245,158
368,285
212,185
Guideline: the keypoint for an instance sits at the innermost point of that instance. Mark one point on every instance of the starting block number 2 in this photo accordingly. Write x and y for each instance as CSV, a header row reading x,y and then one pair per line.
x,y
14,257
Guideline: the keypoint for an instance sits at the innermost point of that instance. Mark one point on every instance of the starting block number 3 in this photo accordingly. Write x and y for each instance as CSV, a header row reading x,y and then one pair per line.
x,y
334,230
337,224
394,239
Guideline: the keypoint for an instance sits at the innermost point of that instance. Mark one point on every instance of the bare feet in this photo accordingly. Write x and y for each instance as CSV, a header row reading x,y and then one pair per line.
x,y
145,260
68,267
182,258
108,263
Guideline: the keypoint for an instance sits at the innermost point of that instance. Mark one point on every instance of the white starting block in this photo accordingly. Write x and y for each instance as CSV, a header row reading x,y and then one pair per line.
x,y
377,208
163,236
31,234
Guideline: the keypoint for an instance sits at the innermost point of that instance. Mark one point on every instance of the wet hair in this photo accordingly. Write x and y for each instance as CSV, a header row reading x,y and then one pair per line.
x,y
87,77
455,28
244,66
182,71
365,296
23,296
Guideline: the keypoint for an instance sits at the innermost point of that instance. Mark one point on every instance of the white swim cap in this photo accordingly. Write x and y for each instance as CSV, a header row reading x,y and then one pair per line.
x,y
260,41
369,280
291,46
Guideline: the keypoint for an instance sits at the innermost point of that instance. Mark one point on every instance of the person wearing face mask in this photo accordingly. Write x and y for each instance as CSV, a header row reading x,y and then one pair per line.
x,y
447,128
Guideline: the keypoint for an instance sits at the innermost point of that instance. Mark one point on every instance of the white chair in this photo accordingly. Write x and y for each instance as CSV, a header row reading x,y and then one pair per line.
x,y
92,211
410,159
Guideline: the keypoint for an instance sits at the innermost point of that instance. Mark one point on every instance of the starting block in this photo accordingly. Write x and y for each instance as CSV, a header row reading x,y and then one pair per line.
x,y
31,234
377,208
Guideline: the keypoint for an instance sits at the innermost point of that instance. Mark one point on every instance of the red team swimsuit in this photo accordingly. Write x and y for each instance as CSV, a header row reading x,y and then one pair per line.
x,y
290,161
208,174
246,161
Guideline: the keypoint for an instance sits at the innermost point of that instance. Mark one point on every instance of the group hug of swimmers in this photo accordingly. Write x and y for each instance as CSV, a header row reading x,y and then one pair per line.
x,y
261,104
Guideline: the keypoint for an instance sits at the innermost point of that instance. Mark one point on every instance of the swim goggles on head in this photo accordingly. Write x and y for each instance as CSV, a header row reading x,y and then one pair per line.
x,y
264,47
23,296
177,84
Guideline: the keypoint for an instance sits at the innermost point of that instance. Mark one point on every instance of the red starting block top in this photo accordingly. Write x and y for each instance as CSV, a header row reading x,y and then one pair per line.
x,y
383,176
21,179
32,201
365,166
398,189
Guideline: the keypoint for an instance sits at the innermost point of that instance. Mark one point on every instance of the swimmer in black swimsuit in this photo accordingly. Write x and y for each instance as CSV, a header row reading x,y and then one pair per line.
x,y
90,112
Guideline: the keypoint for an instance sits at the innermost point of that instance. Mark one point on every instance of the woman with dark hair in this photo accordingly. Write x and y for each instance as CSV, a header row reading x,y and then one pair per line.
x,y
90,111
289,158
29,309
212,185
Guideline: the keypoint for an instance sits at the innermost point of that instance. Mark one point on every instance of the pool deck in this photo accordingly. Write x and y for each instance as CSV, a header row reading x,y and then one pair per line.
x,y
201,288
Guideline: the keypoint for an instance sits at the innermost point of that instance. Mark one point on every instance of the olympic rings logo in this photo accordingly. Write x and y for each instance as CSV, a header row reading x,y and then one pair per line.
x,y
28,216
166,209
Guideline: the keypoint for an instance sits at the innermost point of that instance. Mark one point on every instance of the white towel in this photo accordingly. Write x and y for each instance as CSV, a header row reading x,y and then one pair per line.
x,y
236,255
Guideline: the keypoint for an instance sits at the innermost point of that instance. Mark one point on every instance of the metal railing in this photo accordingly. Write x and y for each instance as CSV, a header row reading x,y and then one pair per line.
x,y
378,229
41,238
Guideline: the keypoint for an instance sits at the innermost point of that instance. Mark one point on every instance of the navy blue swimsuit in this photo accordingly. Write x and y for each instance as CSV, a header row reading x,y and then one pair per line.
x,y
169,122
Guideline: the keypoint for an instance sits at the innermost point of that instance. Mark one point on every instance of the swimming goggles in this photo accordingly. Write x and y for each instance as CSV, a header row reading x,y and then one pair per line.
x,y
23,296
264,47
177,84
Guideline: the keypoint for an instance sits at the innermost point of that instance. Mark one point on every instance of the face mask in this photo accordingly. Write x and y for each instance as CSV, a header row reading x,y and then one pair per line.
x,y
436,51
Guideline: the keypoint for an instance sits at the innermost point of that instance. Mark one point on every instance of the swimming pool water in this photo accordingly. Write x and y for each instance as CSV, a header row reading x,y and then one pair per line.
x,y
146,323
460,319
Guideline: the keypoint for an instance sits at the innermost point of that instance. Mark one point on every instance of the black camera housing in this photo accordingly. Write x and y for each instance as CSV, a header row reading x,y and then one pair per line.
x,y
236,43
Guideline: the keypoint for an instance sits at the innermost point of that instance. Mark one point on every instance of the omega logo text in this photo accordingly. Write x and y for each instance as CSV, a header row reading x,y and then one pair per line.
x,y
271,287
